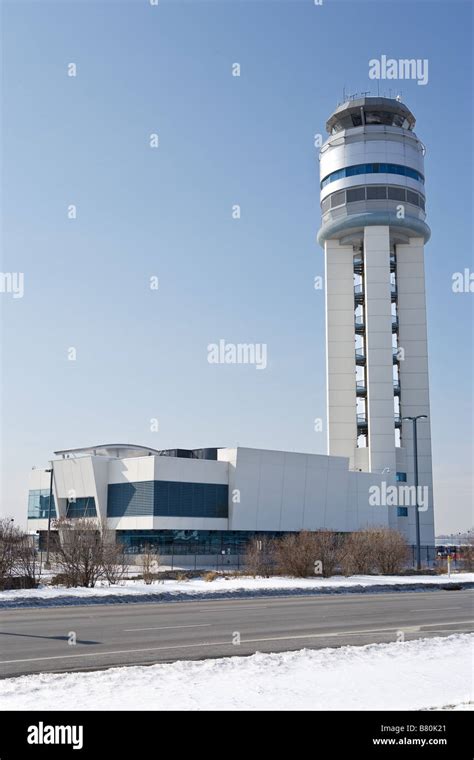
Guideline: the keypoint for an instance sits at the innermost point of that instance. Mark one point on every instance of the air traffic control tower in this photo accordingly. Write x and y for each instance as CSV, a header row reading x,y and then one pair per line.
x,y
373,233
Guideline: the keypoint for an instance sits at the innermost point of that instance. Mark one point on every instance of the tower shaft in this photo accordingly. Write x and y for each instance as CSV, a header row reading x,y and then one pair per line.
x,y
373,233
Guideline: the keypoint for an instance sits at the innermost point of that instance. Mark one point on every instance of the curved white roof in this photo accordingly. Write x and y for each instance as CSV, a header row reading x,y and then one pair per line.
x,y
108,449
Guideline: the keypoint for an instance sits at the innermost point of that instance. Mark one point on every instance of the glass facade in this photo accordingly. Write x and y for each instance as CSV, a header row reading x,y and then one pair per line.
x,y
83,506
352,171
354,119
164,498
38,505
191,541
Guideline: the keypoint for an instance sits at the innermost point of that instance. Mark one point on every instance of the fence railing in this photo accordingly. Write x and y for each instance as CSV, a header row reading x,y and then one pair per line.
x,y
219,561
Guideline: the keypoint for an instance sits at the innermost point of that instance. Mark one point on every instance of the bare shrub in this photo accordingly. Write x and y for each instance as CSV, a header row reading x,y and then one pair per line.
x,y
79,552
374,550
27,563
149,563
58,580
467,561
294,556
357,553
328,545
260,557
296,553
114,560
390,550
10,538
210,576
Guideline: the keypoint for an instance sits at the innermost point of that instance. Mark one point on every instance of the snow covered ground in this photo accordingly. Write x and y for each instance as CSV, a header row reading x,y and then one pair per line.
x,y
238,587
423,674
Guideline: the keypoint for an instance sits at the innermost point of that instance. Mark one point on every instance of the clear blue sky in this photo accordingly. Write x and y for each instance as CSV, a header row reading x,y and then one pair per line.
x,y
142,354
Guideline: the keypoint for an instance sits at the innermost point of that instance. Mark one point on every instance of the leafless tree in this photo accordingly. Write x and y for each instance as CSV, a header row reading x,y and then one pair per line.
x,y
149,562
80,551
260,557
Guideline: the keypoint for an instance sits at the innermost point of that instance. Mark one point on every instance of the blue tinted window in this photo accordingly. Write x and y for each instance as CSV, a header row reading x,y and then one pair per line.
x,y
162,498
215,542
38,505
402,511
401,477
352,171
83,506
130,499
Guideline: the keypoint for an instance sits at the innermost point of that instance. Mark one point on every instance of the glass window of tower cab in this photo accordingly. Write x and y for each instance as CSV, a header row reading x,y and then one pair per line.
x,y
370,110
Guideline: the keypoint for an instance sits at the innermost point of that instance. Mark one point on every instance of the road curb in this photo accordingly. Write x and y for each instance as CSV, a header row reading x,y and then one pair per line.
x,y
168,596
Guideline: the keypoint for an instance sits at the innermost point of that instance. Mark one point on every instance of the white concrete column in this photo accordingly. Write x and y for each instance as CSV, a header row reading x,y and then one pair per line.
x,y
378,346
414,382
340,350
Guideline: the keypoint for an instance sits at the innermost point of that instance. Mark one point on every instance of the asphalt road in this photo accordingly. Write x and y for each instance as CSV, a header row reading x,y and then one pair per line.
x,y
37,640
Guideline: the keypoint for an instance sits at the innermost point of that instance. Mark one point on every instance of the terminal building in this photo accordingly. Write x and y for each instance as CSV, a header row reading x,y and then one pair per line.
x,y
213,500
203,501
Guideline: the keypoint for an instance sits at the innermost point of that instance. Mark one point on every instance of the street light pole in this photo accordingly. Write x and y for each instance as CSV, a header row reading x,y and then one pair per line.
x,y
415,469
47,563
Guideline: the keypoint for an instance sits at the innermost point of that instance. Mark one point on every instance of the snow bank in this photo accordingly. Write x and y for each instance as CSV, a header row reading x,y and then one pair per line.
x,y
240,587
431,673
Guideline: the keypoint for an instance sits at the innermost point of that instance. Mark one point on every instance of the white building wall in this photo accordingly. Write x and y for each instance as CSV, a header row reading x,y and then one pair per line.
x,y
414,375
100,468
191,470
291,492
167,523
131,470
177,469
73,478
